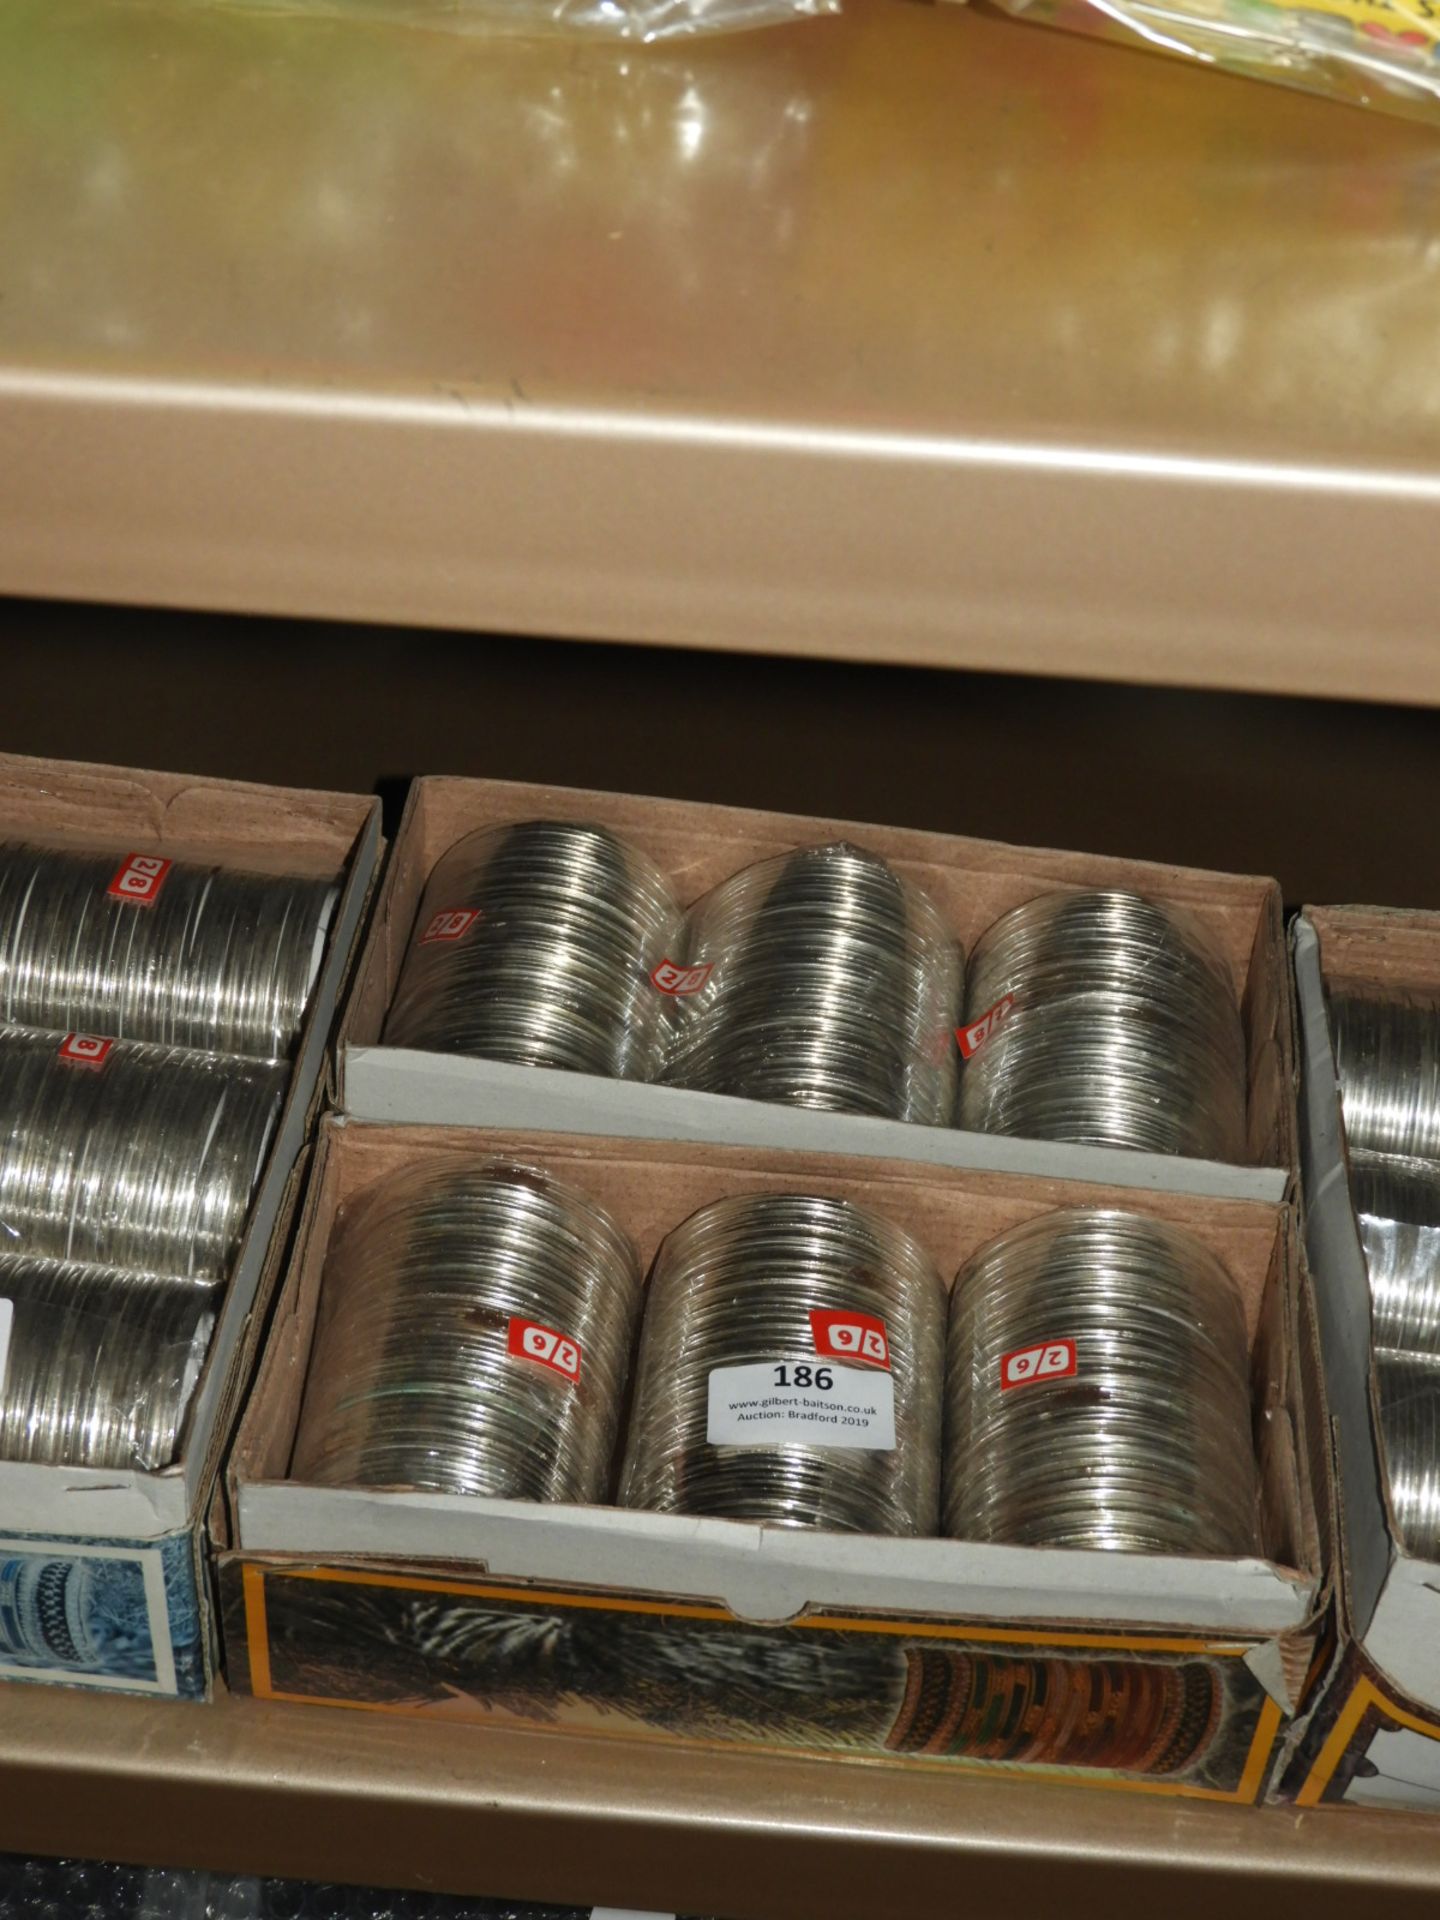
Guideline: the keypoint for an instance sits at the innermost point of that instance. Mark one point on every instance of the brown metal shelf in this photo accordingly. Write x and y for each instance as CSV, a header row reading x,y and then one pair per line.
x,y
242,1786
917,335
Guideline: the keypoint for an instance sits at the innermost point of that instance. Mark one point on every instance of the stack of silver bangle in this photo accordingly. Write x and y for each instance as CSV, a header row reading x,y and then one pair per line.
x,y
213,958
144,1159
1098,1391
822,979
1409,1394
535,944
1397,1203
1387,1059
1112,1021
149,1005
736,1286
101,1363
474,1337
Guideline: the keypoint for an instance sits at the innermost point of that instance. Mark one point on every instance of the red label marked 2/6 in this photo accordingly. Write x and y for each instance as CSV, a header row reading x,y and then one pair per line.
x,y
1027,1366
681,980
139,878
451,924
528,1340
85,1050
850,1336
973,1037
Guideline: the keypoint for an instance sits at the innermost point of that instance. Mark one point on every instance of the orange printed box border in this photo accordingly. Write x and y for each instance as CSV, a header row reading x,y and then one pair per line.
x,y
1366,1697
256,1576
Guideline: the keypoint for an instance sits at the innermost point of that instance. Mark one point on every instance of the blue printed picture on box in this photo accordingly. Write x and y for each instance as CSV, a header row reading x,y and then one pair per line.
x,y
101,1611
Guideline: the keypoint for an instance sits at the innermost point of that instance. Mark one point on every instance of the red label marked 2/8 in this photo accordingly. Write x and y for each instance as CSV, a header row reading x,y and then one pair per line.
x,y
850,1336
528,1340
451,924
139,878
672,979
85,1050
973,1037
1027,1366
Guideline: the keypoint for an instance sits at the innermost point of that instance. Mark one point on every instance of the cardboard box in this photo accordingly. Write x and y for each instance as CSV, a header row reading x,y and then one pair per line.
x,y
79,1542
649,1625
1374,1737
972,881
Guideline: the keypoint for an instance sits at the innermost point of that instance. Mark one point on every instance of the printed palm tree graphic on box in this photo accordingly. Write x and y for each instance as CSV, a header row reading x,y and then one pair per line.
x,y
692,1673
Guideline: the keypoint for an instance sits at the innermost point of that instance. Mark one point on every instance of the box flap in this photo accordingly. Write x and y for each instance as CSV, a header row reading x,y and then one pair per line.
x,y
773,1573
1403,1637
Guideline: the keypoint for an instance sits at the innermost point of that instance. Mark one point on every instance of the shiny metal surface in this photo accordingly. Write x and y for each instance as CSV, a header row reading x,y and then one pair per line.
x,y
736,1285
1387,1060
1403,1262
1397,1208
1390,1186
828,981
217,959
914,335
1112,1022
144,1158
535,944
1408,1390
1137,1438
392,1801
101,1363
434,1279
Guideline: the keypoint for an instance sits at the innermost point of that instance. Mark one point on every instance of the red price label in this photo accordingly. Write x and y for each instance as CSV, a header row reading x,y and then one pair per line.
x,y
850,1336
528,1340
85,1050
1027,1366
681,980
973,1037
139,878
452,924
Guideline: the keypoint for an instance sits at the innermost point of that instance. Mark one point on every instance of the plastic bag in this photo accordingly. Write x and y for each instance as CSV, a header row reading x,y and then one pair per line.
x,y
147,948
819,978
1372,53
123,1155
101,1364
535,944
632,20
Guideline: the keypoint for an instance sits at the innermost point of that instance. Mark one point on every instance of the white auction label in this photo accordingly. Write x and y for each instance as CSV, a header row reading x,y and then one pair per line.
x,y
812,1402
7,1315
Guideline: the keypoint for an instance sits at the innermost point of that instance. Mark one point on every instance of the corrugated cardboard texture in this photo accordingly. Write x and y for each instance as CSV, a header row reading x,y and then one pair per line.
x,y
972,881
242,1367
652,1187
60,803
1378,946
